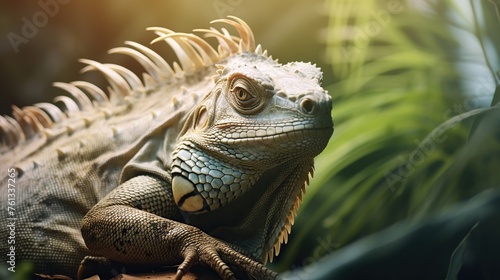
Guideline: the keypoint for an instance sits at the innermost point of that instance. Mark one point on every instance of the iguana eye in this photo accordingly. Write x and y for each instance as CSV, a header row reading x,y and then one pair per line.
x,y
246,96
242,94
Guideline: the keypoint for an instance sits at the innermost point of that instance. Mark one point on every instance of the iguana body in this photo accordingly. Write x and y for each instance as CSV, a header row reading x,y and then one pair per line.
x,y
203,163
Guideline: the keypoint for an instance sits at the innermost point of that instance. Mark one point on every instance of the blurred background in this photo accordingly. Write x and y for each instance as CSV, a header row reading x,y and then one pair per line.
x,y
407,187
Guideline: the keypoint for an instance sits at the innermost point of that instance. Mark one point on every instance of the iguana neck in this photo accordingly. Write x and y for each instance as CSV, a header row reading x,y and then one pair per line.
x,y
268,212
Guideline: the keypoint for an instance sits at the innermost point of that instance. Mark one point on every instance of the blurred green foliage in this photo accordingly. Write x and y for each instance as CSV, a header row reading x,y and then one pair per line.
x,y
416,132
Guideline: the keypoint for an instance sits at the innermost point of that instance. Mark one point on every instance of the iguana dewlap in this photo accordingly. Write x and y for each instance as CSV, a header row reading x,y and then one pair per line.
x,y
204,161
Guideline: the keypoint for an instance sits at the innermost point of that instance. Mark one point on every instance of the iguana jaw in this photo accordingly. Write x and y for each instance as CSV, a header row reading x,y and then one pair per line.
x,y
204,182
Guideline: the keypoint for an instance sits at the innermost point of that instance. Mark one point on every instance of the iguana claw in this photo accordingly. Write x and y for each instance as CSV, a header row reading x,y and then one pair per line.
x,y
207,250
191,258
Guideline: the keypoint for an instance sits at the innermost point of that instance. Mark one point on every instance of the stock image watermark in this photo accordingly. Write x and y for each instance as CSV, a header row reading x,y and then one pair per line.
x,y
224,8
326,246
32,25
11,219
408,164
362,34
454,116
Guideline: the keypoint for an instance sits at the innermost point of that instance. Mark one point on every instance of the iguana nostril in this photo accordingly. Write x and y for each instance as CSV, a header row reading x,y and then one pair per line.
x,y
308,106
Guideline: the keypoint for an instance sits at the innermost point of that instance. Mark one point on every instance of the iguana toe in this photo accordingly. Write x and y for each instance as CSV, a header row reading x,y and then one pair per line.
x,y
206,250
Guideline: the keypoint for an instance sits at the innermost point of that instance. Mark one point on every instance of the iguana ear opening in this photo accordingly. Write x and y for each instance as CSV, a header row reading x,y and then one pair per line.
x,y
201,119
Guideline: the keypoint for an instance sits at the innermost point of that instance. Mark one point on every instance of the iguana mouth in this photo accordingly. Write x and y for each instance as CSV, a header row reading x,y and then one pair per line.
x,y
288,131
281,136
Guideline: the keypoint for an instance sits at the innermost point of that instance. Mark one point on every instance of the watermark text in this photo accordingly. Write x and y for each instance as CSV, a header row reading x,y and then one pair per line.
x,y
11,219
31,26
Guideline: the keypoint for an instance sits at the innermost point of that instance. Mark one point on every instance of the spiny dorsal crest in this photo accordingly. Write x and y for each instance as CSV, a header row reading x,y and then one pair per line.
x,y
88,100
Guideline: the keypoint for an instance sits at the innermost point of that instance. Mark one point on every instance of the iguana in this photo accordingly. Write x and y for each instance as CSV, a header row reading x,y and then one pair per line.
x,y
204,161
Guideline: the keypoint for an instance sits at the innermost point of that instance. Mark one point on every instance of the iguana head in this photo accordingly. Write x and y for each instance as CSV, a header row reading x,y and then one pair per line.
x,y
259,115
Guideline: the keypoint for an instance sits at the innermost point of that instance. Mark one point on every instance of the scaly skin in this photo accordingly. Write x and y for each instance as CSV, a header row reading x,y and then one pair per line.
x,y
130,228
205,164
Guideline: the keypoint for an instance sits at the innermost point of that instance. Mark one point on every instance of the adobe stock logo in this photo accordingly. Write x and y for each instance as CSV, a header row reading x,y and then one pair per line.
x,y
361,35
49,8
225,7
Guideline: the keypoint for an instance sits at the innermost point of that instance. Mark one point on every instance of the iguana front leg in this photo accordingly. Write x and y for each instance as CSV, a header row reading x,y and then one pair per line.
x,y
129,226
